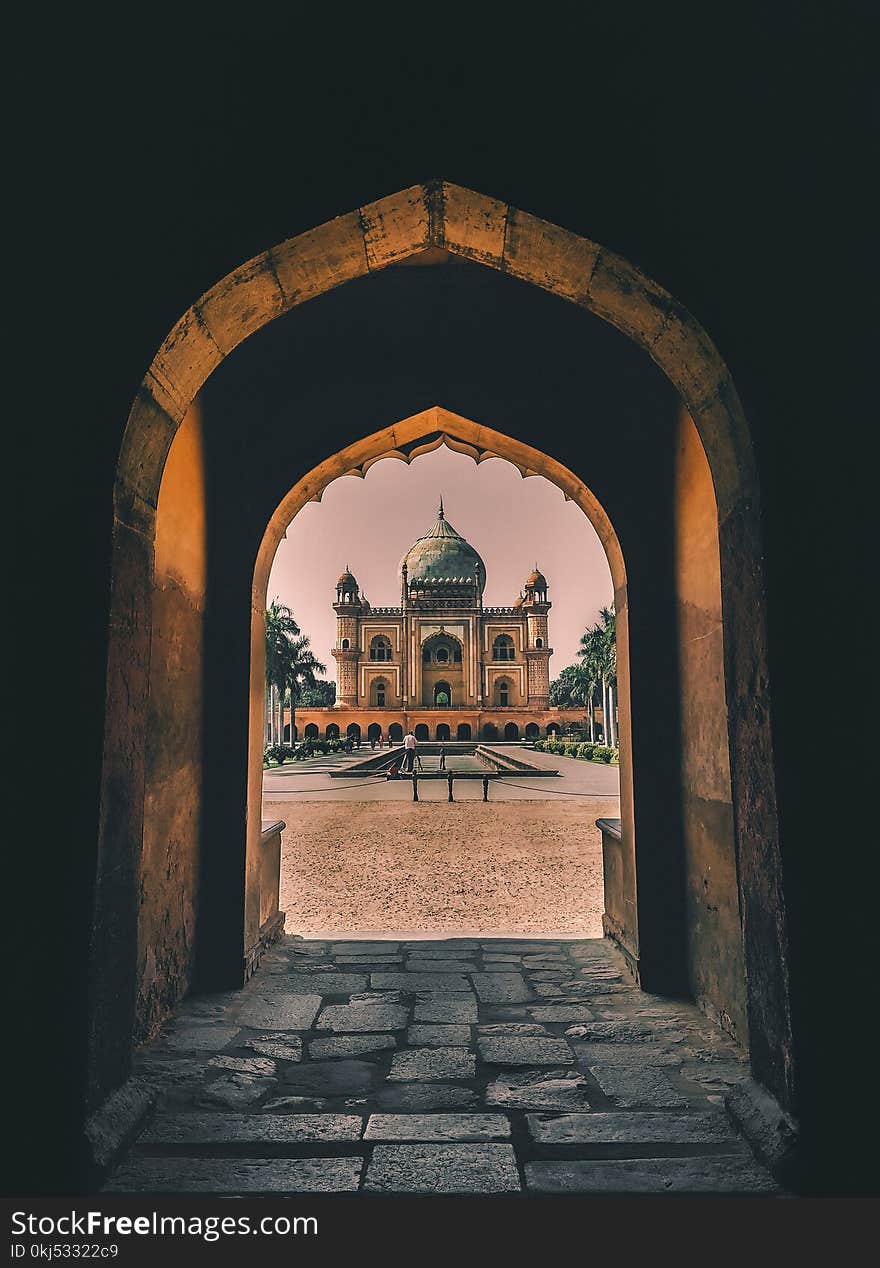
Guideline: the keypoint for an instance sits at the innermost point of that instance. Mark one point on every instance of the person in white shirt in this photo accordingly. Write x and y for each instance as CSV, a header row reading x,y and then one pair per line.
x,y
409,751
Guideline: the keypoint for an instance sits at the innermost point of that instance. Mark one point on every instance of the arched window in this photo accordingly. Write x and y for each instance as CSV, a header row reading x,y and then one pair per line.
x,y
502,648
378,692
443,655
380,648
442,695
502,692
539,642
345,644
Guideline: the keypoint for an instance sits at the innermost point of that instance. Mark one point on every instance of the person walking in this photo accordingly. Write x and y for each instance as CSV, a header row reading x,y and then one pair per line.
x,y
442,765
409,751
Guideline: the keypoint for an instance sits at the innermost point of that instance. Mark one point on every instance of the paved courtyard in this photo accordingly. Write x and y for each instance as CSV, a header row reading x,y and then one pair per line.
x,y
461,1065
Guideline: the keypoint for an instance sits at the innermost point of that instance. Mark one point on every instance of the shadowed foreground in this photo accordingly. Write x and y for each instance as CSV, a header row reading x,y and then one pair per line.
x,y
454,1066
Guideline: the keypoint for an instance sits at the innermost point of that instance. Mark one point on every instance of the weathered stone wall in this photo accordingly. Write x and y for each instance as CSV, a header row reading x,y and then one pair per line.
x,y
169,866
716,968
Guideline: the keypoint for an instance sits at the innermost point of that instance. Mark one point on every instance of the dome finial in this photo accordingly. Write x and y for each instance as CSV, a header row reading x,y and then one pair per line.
x,y
440,514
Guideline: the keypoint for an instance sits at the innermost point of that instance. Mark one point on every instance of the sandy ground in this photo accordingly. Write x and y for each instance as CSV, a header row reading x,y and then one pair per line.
x,y
511,867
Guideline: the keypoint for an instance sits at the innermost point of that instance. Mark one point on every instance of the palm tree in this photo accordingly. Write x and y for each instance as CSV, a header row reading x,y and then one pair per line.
x,y
598,653
290,665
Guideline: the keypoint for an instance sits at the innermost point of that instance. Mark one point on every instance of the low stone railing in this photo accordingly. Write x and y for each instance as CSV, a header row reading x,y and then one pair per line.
x,y
271,919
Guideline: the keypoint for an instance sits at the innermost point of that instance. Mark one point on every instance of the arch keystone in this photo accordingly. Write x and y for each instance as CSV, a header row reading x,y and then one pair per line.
x,y
474,225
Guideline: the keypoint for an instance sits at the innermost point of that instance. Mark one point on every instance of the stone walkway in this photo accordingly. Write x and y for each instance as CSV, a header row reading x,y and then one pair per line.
x,y
466,1066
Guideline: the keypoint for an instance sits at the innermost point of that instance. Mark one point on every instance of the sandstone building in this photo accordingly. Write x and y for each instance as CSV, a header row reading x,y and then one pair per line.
x,y
440,663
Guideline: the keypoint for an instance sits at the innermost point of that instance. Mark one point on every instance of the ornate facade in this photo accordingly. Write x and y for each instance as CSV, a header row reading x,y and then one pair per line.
x,y
441,662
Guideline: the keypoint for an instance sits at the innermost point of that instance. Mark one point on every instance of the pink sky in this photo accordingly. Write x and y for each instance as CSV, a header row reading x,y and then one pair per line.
x,y
513,523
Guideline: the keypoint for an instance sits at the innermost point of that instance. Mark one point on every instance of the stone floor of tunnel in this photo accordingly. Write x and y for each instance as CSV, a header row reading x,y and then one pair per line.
x,y
465,1066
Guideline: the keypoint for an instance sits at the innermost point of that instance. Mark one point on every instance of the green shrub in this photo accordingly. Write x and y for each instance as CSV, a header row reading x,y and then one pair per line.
x,y
603,754
277,753
571,750
585,751
540,746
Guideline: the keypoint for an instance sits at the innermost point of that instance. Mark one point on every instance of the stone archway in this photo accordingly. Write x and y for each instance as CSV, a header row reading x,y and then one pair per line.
x,y
443,732
438,216
421,733
511,731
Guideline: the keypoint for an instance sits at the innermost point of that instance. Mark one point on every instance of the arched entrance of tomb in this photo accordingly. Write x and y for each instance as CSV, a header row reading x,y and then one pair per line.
x,y
395,732
311,731
553,728
533,731
463,731
443,732
442,694
490,731
151,793
374,730
511,731
353,732
421,732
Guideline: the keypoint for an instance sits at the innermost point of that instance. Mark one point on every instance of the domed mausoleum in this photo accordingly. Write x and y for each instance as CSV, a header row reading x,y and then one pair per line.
x,y
441,663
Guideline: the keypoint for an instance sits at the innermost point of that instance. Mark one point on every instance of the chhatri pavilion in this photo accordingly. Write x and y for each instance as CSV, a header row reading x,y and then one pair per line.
x,y
441,663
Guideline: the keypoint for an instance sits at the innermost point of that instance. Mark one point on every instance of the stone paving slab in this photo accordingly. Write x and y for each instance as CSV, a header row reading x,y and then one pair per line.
x,y
434,951
415,981
512,1028
365,948
331,1078
190,1037
448,1011
243,1065
441,1168
446,944
235,1091
522,948
632,1128
637,1054
644,1086
720,1174
416,1064
424,1096
361,1017
237,1175
281,1047
371,960
612,1032
251,1129
437,966
523,1050
540,1090
279,1011
501,988
349,1045
324,984
438,1036
437,1127
561,1012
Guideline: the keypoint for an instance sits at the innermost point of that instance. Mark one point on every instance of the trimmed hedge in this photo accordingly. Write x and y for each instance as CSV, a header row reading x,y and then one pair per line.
x,y
583,751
